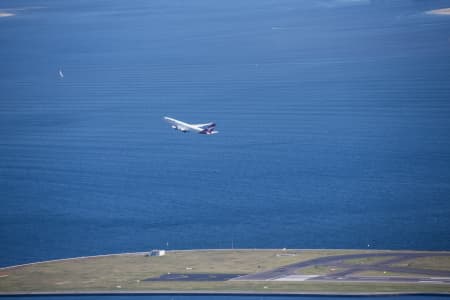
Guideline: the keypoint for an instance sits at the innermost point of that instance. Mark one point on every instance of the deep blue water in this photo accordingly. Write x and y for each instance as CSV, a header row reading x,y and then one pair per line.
x,y
334,120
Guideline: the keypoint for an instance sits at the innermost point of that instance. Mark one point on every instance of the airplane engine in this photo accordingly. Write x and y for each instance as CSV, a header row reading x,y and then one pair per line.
x,y
180,129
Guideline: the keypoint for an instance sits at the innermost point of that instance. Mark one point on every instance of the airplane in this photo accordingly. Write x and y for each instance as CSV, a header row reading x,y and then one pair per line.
x,y
208,128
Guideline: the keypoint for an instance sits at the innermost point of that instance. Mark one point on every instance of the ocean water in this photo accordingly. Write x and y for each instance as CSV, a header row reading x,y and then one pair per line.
x,y
334,120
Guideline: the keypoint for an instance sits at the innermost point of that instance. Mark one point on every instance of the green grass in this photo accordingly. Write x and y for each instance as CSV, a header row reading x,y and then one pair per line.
x,y
318,270
367,260
430,262
126,270
301,287
376,273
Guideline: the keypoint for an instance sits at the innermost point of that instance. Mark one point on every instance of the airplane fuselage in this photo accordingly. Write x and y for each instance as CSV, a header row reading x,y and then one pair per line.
x,y
208,128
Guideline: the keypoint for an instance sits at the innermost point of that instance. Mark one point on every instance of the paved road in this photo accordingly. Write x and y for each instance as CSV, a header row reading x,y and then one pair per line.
x,y
385,279
337,260
193,277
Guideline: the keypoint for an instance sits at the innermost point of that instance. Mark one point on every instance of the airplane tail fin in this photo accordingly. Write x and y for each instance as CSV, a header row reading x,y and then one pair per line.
x,y
209,130
212,131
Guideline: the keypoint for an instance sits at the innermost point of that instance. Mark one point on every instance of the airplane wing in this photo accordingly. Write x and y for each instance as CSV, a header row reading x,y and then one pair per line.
x,y
207,128
211,124
179,125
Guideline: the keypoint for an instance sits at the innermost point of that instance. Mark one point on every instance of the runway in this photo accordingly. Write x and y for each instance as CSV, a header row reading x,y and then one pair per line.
x,y
346,271
193,277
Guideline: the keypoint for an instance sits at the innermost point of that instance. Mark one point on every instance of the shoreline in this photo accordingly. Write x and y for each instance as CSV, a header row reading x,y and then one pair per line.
x,y
217,293
209,250
275,272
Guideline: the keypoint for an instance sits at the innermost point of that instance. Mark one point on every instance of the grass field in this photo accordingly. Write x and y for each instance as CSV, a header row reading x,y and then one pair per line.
x,y
127,272
367,261
433,263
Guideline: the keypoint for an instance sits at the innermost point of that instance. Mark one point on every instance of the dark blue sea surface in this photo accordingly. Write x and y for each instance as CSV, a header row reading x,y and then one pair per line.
x,y
334,120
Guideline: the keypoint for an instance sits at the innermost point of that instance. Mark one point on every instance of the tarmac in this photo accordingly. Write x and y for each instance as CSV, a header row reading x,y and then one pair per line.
x,y
290,272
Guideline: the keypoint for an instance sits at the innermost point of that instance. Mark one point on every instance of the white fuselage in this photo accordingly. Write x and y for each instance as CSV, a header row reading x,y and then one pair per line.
x,y
208,128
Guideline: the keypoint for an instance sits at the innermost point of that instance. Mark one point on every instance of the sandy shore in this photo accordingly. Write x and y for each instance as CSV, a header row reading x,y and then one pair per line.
x,y
442,11
4,14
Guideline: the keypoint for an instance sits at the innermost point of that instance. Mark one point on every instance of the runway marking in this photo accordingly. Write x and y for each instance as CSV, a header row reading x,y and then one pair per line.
x,y
296,278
